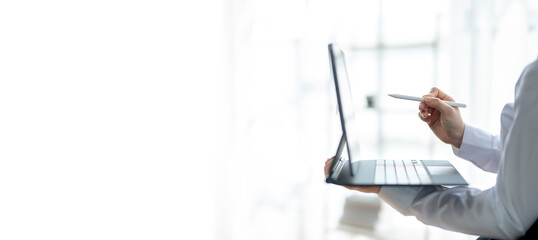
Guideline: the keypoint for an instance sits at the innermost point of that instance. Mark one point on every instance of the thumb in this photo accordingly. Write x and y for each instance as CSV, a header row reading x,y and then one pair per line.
x,y
438,104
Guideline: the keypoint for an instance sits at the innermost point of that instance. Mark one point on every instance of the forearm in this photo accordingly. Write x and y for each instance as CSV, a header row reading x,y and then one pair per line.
x,y
459,209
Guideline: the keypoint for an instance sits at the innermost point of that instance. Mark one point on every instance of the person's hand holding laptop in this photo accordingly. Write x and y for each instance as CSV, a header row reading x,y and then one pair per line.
x,y
364,189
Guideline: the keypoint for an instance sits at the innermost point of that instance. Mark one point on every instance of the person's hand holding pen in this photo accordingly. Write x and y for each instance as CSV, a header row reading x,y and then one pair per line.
x,y
445,121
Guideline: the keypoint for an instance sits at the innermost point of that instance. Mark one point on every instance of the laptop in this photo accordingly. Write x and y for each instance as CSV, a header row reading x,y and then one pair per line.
x,y
349,170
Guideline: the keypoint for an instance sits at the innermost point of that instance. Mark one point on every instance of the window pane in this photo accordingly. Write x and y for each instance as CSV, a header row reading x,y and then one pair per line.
x,y
409,22
406,71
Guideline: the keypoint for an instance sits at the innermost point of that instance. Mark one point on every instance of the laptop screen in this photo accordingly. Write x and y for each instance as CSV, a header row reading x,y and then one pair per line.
x,y
345,101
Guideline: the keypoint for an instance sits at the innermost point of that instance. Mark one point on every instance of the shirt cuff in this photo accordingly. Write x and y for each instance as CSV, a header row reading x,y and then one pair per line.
x,y
473,140
399,197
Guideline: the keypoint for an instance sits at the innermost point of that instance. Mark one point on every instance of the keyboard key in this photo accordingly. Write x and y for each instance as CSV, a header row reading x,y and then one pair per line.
x,y
401,175
411,172
390,172
379,172
422,174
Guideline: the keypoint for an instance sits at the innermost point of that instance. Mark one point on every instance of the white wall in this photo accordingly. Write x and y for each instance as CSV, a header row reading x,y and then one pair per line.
x,y
109,118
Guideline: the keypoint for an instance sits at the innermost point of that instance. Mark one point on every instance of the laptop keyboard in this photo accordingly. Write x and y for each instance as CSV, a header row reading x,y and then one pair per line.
x,y
401,172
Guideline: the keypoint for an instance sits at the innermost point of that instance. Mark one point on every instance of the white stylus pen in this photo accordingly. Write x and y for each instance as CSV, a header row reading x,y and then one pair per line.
x,y
419,99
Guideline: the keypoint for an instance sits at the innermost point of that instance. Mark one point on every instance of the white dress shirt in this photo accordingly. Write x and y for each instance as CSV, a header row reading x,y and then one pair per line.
x,y
506,210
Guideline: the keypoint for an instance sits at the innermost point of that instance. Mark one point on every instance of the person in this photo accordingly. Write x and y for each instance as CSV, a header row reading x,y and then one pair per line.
x,y
504,211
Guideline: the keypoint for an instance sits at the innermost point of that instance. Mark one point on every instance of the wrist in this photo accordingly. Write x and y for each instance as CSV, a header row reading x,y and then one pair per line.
x,y
458,139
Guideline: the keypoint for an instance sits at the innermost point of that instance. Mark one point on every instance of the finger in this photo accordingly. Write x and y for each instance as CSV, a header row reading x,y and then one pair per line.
x,y
328,166
425,110
439,105
433,117
421,106
365,189
423,118
436,92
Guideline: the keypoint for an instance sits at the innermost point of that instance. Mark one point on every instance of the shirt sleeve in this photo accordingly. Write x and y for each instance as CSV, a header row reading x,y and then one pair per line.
x,y
401,198
480,148
461,209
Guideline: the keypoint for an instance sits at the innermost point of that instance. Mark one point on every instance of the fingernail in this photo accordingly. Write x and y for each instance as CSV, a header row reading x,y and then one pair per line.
x,y
427,99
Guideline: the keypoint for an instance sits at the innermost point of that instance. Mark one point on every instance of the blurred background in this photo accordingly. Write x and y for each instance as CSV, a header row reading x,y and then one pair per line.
x,y
213,119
